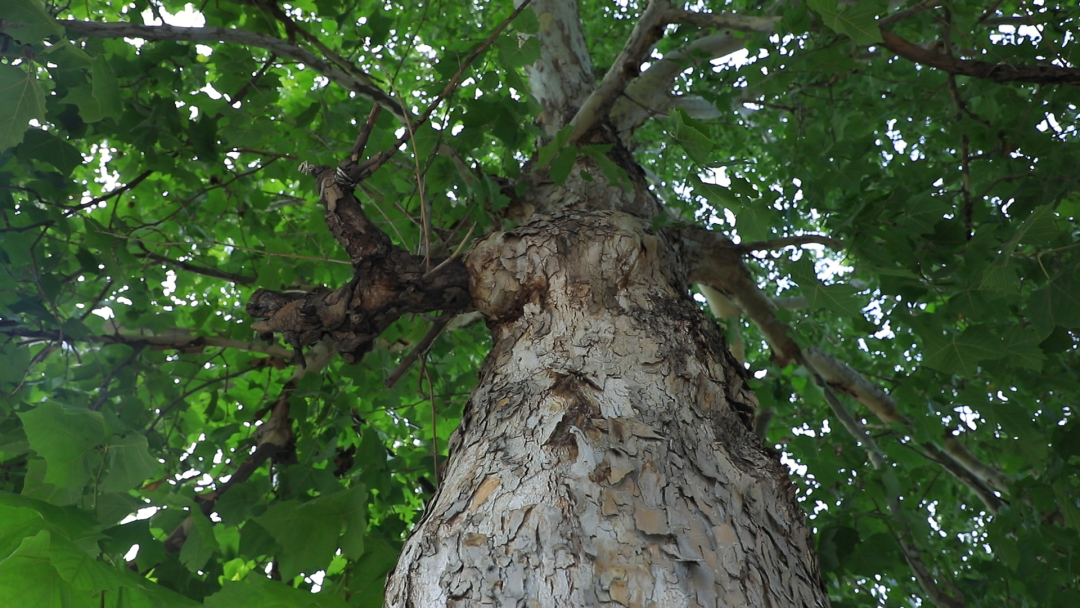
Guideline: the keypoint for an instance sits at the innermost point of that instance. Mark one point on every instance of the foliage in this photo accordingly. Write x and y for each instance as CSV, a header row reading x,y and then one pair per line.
x,y
149,187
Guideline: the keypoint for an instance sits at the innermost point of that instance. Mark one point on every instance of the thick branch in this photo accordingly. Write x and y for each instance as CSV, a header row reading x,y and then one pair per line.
x,y
988,475
388,282
562,78
716,264
994,72
650,94
647,31
354,81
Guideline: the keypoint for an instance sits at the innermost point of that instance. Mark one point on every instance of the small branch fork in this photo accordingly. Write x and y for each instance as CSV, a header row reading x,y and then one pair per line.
x,y
388,281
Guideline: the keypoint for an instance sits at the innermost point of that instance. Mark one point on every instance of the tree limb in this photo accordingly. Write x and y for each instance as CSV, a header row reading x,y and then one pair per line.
x,y
650,94
354,81
178,338
562,78
196,269
994,72
647,31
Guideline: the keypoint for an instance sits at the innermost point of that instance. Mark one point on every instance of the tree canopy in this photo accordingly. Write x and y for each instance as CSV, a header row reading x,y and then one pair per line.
x,y
923,156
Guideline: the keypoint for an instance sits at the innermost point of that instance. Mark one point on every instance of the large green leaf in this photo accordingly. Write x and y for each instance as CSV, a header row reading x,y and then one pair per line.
x,y
20,102
69,440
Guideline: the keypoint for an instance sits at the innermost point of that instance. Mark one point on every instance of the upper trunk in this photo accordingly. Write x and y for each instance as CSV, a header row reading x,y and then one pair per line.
x,y
606,457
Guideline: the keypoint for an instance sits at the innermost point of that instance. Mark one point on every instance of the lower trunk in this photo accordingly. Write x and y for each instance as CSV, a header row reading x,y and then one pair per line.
x,y
606,457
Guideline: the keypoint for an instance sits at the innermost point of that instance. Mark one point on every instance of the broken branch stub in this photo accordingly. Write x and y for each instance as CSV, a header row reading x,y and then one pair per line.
x,y
387,282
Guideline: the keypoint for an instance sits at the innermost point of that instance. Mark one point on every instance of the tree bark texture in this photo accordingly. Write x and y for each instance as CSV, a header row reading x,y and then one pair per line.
x,y
607,456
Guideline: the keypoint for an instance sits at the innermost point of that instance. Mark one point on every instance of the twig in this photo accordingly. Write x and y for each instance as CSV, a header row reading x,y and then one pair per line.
x,y
196,269
421,347
922,7
69,211
96,405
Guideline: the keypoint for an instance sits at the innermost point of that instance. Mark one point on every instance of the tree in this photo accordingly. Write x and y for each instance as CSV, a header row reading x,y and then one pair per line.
x,y
690,251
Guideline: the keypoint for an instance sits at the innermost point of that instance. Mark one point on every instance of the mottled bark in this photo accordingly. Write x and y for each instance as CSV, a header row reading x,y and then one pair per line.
x,y
606,457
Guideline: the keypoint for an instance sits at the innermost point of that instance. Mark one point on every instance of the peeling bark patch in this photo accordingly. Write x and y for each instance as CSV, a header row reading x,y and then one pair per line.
x,y
484,491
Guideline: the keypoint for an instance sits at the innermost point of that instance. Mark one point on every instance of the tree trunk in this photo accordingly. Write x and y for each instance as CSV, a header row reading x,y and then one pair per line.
x,y
606,457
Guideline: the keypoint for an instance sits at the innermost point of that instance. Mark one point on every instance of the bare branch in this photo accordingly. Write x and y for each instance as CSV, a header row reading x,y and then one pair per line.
x,y
355,81
647,31
726,21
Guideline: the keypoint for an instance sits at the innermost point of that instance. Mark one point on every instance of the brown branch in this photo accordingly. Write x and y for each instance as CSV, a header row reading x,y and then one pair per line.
x,y
176,338
351,81
387,283
68,211
994,72
421,348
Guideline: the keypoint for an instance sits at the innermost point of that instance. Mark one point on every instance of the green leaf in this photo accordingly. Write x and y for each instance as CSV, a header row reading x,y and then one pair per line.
x,y
526,22
310,532
200,544
106,90
27,578
46,147
256,590
129,461
20,102
67,438
961,353
855,20
28,22
1022,346
1058,303
753,221
689,133
516,53
719,196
